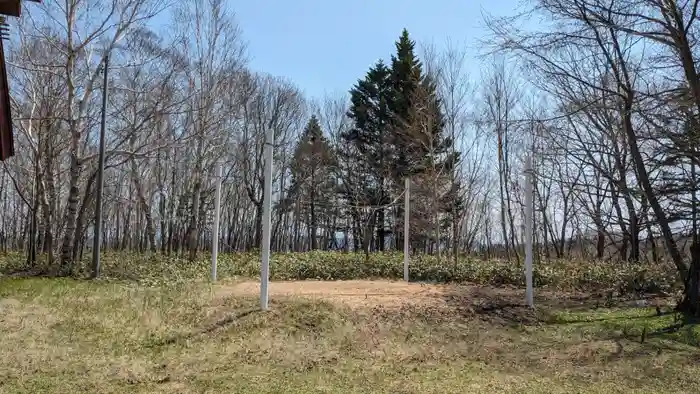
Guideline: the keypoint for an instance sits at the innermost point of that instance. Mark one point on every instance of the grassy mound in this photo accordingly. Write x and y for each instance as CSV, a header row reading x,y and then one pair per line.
x,y
63,335
557,274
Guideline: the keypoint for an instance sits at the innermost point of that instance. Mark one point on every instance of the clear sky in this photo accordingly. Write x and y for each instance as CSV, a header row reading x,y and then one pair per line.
x,y
326,45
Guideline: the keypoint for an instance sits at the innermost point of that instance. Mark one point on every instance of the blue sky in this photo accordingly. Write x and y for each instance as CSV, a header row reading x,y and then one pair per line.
x,y
326,45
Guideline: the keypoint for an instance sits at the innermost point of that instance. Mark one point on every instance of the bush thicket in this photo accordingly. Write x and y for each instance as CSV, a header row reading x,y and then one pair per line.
x,y
556,274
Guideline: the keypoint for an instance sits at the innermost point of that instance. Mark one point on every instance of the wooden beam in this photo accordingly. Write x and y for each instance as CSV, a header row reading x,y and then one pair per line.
x,y
10,7
7,147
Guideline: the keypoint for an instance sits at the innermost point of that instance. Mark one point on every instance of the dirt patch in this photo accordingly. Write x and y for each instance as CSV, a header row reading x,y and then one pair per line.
x,y
378,295
496,305
354,293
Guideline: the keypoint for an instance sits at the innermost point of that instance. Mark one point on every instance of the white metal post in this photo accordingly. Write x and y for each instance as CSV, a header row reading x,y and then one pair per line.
x,y
215,230
407,205
97,241
266,221
528,231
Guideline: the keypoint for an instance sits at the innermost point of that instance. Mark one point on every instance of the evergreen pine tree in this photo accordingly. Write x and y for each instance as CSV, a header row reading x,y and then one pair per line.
x,y
419,133
415,92
370,141
313,185
398,131
406,75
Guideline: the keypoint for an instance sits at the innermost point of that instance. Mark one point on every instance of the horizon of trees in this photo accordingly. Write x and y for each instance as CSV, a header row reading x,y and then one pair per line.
x,y
604,96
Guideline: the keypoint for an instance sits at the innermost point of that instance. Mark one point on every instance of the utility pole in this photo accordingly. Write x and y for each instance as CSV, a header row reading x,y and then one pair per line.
x,y
215,230
100,178
407,206
266,221
528,231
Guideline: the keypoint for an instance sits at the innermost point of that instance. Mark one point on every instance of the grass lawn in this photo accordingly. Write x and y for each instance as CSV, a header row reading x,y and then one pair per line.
x,y
67,336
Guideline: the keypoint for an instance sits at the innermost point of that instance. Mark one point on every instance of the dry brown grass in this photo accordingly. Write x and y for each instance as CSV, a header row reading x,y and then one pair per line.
x,y
336,337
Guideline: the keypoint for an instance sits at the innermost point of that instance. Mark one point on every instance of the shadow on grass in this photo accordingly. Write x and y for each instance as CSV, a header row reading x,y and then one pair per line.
x,y
506,304
647,320
553,319
34,272
506,313
680,343
173,339
685,330
646,326
500,306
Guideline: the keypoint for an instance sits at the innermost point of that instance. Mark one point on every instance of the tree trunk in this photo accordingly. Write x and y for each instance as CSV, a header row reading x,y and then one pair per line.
x,y
258,224
501,184
690,303
192,233
67,255
312,207
146,207
33,229
367,239
48,202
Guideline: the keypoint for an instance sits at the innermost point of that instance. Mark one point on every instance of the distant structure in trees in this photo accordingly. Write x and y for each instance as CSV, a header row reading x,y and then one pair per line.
x,y
7,148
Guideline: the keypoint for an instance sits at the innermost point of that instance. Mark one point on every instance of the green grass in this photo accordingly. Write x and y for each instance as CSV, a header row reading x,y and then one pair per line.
x,y
63,335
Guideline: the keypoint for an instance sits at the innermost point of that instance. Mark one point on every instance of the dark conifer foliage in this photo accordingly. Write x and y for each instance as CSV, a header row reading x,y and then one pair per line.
x,y
313,185
398,132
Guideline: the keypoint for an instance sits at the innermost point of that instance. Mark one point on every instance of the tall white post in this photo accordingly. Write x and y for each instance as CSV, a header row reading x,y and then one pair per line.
x,y
266,220
215,230
96,263
528,231
407,205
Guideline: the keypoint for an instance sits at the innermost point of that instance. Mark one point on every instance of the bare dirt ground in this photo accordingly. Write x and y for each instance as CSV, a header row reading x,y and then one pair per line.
x,y
354,293
363,293
505,305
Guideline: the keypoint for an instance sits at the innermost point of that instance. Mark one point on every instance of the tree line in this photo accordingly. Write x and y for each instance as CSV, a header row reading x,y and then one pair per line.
x,y
604,97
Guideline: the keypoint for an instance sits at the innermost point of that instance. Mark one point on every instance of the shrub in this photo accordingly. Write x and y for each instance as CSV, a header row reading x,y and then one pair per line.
x,y
319,265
